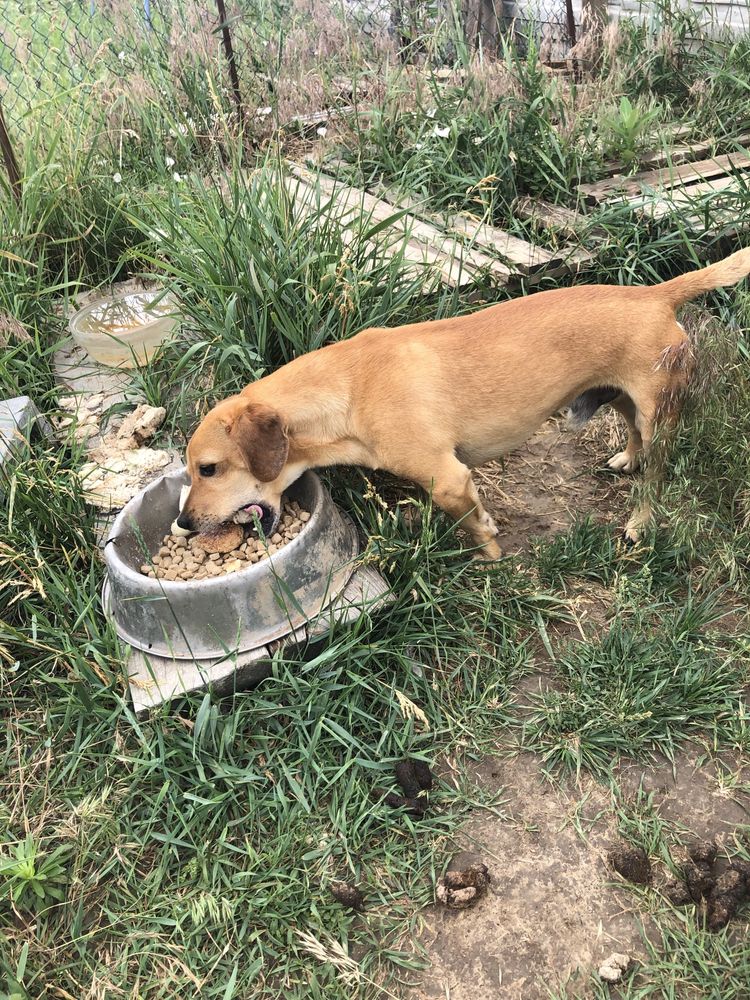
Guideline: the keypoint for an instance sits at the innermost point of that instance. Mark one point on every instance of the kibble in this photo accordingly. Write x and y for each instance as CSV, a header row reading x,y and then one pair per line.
x,y
235,547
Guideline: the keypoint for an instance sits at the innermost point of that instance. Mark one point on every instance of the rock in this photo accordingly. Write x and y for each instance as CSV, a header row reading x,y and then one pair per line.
x,y
111,480
614,968
139,426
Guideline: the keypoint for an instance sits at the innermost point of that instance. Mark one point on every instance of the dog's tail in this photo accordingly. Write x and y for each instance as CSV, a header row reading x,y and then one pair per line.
x,y
725,272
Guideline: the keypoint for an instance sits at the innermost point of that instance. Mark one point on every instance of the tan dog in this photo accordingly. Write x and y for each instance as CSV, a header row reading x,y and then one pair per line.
x,y
429,401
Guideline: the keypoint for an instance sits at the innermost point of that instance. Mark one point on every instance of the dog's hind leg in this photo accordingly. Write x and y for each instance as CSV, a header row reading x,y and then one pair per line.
x,y
454,490
657,408
629,459
653,471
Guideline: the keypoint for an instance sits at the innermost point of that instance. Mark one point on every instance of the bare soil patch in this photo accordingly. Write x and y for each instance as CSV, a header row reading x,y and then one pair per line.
x,y
553,911
708,799
550,913
556,477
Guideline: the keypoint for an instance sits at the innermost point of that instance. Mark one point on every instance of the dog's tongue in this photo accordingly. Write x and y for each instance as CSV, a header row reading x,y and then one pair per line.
x,y
254,508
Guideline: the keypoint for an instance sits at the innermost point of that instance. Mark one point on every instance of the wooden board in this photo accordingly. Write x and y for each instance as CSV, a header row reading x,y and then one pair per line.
x,y
682,200
675,155
460,248
545,215
423,243
522,257
665,178
526,258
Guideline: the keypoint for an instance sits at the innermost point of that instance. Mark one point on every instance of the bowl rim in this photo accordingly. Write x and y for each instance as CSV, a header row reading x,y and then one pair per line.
x,y
159,586
121,297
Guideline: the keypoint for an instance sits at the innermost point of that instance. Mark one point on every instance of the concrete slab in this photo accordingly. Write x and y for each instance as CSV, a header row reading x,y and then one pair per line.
x,y
76,372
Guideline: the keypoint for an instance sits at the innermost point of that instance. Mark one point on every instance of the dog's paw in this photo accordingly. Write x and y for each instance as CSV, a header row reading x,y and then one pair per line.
x,y
623,462
631,537
484,556
487,522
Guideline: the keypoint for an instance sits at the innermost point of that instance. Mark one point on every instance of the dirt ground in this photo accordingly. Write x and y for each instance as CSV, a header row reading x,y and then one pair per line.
x,y
541,488
553,912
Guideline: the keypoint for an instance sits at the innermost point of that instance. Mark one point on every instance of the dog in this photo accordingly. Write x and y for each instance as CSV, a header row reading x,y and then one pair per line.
x,y
430,401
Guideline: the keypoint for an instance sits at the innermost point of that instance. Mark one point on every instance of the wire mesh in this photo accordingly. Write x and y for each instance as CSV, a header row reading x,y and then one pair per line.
x,y
57,55
52,51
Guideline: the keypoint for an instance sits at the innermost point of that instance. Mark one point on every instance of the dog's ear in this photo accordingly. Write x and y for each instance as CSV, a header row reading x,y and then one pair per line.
x,y
259,434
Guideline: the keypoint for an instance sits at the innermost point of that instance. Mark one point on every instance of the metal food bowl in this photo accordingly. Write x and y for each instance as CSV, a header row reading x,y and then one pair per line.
x,y
235,613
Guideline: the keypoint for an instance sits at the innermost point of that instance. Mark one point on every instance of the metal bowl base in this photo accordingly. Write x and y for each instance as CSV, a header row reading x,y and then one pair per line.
x,y
157,680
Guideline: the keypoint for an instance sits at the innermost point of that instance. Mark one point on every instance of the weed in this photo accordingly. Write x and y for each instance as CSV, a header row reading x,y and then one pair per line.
x,y
626,131
30,878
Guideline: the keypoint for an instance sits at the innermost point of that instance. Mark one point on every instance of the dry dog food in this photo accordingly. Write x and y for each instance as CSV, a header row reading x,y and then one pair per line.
x,y
226,551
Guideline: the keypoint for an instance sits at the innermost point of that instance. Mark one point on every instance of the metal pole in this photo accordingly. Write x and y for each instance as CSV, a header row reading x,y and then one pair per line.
x,y
229,52
11,164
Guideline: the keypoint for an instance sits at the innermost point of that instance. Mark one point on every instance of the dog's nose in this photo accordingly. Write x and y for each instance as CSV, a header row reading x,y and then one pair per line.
x,y
184,521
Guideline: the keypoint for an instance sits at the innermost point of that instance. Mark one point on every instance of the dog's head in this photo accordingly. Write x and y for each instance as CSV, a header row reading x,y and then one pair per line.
x,y
235,459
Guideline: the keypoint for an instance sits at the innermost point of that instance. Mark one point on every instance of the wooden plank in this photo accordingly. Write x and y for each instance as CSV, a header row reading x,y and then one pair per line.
x,y
417,257
668,177
425,233
458,265
523,257
675,155
685,198
437,240
719,222
545,215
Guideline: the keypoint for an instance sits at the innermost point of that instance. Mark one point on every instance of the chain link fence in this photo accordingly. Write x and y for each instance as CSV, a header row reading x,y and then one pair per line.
x,y
53,49
549,25
205,59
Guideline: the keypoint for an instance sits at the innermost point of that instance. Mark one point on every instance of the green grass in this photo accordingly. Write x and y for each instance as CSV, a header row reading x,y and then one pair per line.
x,y
186,853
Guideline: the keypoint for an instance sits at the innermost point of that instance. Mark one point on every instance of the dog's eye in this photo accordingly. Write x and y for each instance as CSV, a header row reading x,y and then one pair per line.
x,y
207,470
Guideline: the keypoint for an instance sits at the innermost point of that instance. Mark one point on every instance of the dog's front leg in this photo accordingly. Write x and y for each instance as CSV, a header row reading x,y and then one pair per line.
x,y
454,491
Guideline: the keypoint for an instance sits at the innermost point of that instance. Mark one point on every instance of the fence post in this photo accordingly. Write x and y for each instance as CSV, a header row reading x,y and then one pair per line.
x,y
571,19
11,164
229,52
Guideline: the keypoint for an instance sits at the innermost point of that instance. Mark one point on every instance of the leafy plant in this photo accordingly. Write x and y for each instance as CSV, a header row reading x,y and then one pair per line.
x,y
627,129
31,878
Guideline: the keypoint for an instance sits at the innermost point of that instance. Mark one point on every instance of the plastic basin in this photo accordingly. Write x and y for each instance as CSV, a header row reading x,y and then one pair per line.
x,y
124,331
